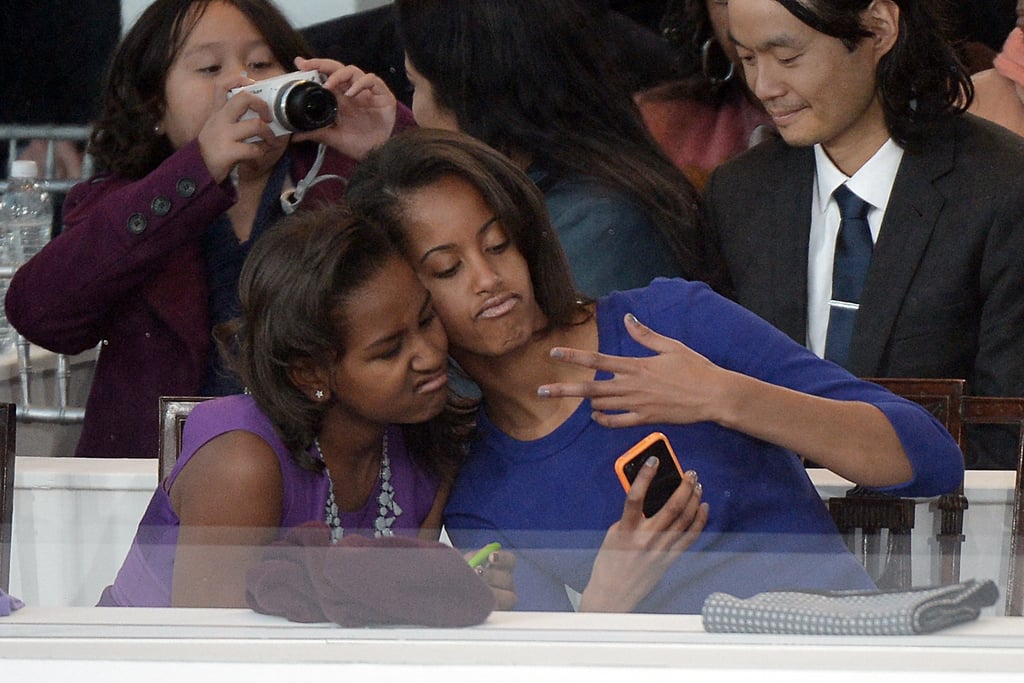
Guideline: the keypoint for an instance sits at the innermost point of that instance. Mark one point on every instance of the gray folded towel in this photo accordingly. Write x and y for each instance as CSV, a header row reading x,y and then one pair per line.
x,y
863,613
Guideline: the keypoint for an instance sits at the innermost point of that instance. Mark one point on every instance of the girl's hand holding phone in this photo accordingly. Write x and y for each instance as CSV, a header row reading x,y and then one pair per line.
x,y
668,476
637,550
495,567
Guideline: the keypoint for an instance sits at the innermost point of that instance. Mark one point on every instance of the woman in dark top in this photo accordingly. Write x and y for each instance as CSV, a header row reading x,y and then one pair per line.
x,y
530,78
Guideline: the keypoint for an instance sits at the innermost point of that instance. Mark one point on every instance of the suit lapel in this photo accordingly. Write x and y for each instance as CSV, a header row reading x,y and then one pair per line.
x,y
788,203
910,218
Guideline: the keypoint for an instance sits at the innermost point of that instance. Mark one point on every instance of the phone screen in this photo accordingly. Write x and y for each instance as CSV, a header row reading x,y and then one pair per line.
x,y
666,480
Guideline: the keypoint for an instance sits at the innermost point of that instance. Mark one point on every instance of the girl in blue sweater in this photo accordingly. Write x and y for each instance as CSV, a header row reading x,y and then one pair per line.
x,y
568,384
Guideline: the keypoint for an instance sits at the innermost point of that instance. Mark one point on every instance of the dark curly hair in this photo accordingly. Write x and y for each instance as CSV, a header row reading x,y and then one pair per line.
x,y
123,141
294,289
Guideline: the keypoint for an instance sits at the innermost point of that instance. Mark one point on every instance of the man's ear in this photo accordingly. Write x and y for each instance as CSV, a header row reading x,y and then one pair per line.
x,y
882,18
311,379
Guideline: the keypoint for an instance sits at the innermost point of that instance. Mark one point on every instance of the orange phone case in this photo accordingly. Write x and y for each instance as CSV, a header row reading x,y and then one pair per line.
x,y
637,450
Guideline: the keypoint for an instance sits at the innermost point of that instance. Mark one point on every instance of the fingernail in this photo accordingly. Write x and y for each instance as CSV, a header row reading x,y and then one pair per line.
x,y
698,488
651,461
480,571
543,392
631,319
556,353
691,475
493,558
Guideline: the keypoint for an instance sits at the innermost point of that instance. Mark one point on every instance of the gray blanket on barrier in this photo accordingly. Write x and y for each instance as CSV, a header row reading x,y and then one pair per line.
x,y
882,613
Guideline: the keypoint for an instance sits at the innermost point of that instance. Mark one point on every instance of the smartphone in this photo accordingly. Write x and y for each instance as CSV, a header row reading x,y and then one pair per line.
x,y
666,480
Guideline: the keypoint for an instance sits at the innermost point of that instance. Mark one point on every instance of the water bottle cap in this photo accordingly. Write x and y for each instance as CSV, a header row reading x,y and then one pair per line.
x,y
24,169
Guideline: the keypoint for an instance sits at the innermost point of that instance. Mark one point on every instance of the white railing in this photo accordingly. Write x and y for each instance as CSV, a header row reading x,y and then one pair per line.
x,y
14,134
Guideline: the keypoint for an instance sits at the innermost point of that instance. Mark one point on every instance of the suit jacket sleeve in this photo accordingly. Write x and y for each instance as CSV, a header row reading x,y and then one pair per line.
x,y
999,365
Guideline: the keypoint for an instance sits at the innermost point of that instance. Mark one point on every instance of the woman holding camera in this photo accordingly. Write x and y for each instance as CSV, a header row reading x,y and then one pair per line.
x,y
152,248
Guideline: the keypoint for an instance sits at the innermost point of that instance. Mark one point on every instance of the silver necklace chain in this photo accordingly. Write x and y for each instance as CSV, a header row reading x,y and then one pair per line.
x,y
388,509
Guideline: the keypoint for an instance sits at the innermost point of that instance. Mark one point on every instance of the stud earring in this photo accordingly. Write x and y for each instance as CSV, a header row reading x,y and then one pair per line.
x,y
319,394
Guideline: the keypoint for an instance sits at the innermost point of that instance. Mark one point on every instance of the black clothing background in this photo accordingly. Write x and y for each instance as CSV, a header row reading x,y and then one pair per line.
x,y
986,21
53,57
53,62
369,40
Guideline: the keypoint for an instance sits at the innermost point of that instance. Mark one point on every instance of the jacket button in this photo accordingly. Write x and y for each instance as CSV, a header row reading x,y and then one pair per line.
x,y
161,206
186,187
137,224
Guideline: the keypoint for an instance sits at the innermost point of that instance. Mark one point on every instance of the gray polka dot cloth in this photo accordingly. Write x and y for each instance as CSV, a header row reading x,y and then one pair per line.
x,y
878,613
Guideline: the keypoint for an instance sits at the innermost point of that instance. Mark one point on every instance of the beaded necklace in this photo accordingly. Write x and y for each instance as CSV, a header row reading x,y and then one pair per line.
x,y
388,508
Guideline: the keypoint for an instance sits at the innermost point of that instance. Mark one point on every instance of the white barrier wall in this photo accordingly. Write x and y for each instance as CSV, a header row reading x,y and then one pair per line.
x,y
74,519
216,645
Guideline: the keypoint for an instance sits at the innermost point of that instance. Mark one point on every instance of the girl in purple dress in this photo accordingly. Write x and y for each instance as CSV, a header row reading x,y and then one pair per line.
x,y
348,418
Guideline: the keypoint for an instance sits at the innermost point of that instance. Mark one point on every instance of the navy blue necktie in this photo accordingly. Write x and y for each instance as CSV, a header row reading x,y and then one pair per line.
x,y
853,256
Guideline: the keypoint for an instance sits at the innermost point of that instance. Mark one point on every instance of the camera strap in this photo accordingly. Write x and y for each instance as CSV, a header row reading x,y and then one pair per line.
x,y
292,197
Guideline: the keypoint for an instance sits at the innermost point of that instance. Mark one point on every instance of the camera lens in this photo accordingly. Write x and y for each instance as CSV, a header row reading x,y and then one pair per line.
x,y
305,105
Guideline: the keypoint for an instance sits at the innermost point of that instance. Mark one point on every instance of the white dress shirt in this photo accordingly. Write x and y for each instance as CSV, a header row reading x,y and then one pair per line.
x,y
872,183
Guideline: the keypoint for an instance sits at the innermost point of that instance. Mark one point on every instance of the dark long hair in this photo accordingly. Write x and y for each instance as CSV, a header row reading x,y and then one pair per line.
x,y
703,70
420,157
921,81
123,140
529,77
295,288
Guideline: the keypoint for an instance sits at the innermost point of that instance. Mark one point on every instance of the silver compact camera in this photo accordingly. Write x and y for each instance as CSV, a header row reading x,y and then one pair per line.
x,y
298,102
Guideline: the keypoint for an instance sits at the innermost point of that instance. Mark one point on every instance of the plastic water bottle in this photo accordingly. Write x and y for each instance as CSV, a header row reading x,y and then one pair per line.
x,y
11,257
26,218
28,207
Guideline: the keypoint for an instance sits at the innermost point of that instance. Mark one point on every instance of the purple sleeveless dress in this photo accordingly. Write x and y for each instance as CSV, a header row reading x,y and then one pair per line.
x,y
144,579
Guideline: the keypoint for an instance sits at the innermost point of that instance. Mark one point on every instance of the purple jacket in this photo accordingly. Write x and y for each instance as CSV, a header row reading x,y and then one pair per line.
x,y
128,271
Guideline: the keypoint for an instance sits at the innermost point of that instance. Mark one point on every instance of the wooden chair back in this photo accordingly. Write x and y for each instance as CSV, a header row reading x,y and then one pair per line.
x,y
862,514
7,444
988,410
864,517
174,410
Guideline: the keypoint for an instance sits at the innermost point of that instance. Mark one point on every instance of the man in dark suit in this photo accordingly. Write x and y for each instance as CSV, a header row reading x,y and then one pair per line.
x,y
867,97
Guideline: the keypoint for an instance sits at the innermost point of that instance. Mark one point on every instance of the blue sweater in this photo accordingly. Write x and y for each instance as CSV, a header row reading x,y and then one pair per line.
x,y
551,500
608,238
